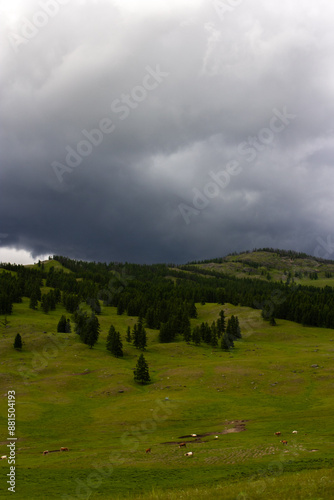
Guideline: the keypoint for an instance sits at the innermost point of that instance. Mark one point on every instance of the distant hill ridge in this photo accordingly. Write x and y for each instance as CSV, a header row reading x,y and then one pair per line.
x,y
292,254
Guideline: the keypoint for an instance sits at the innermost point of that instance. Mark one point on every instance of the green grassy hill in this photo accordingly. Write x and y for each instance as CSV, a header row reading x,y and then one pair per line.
x,y
225,405
86,400
276,266
48,264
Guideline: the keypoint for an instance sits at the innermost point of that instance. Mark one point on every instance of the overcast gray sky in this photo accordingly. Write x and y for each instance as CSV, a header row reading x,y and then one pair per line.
x,y
165,131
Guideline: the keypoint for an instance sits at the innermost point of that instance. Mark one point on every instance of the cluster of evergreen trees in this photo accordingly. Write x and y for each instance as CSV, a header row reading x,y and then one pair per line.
x,y
138,335
71,301
64,325
164,296
218,332
48,300
87,327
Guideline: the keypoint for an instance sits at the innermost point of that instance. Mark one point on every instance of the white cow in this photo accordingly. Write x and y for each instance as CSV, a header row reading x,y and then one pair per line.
x,y
3,457
188,454
294,432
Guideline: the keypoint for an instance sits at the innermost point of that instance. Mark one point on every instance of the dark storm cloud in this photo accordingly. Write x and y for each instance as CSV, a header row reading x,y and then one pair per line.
x,y
113,118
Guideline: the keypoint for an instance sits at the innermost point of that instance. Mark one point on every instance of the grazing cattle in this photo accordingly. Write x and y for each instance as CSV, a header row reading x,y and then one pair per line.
x,y
277,433
284,441
193,435
63,448
294,432
3,457
216,437
188,454
148,450
182,444
45,452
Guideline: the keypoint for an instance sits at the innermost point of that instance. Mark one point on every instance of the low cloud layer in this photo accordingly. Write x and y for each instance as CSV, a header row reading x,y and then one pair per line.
x,y
148,133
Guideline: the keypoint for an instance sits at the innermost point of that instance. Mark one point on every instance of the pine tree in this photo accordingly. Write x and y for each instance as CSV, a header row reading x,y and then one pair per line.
x,y
196,335
139,335
221,294
150,318
45,304
120,307
164,333
237,328
61,327
192,310
226,342
93,330
33,304
233,328
80,319
214,335
128,335
221,323
205,333
51,298
141,372
68,326
272,321
187,333
18,342
114,343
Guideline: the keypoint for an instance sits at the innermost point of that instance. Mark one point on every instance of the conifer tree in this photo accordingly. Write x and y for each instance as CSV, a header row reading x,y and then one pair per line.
x,y
187,333
80,319
192,310
164,333
33,304
226,342
196,335
61,327
114,342
214,335
233,328
272,321
221,324
139,335
120,307
221,296
141,372
128,335
92,331
18,342
150,318
45,304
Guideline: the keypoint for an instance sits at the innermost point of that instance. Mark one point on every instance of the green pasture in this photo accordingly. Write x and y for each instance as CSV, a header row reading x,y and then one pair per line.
x,y
263,265
85,399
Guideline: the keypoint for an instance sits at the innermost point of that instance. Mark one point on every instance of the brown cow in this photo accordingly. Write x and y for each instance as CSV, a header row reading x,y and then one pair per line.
x,y
284,441
182,444
148,450
45,452
277,433
63,448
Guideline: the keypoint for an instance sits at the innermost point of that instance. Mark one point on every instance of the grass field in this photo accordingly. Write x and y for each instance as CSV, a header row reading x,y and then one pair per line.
x,y
261,265
86,400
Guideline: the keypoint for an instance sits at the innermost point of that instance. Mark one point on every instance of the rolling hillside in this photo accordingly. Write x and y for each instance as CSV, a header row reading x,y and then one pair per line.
x,y
275,378
276,265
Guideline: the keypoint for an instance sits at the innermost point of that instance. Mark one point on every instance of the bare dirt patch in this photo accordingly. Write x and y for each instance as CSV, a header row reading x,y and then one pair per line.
x,y
237,426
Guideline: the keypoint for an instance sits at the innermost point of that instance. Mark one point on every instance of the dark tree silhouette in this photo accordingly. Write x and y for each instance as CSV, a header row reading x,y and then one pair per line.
x,y
141,372
18,342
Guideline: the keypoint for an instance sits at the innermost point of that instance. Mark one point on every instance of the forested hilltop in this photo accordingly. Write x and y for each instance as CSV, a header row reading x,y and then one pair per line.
x,y
283,284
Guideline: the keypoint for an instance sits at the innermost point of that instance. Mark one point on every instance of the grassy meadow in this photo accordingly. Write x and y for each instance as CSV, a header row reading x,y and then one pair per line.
x,y
85,399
